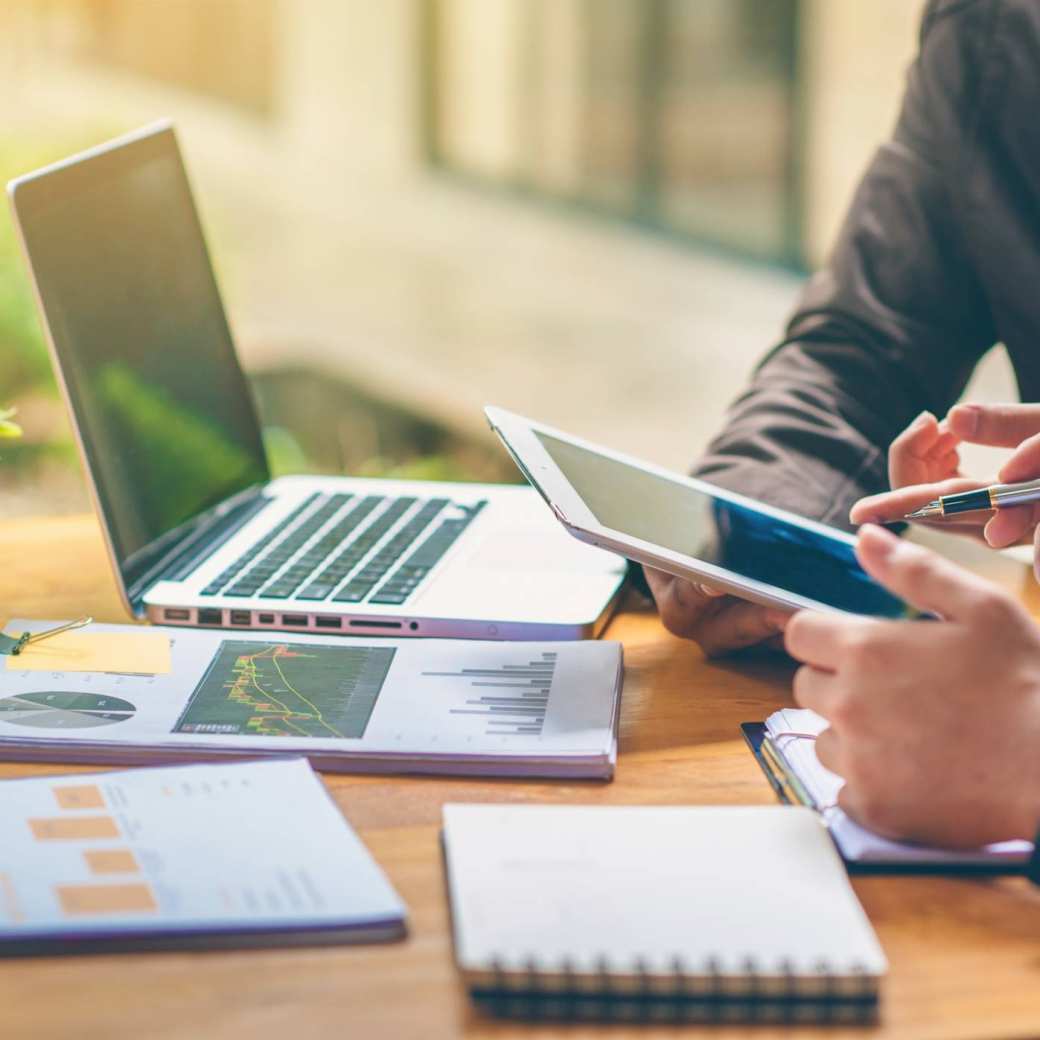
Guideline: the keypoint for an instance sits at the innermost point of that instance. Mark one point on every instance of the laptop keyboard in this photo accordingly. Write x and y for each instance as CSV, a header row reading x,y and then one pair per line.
x,y
348,549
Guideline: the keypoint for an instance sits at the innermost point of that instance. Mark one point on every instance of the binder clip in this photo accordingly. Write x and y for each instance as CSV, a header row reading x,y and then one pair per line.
x,y
14,645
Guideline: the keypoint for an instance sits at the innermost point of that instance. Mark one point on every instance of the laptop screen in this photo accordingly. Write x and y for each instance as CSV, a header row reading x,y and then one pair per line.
x,y
163,409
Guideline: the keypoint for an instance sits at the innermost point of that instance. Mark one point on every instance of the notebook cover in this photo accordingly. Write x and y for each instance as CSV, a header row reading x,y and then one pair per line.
x,y
541,987
533,1005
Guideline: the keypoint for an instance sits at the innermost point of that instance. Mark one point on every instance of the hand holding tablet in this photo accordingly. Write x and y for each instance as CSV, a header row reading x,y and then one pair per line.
x,y
718,622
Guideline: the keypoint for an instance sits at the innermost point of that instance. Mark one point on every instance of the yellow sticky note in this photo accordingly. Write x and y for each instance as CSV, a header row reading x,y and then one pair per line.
x,y
143,653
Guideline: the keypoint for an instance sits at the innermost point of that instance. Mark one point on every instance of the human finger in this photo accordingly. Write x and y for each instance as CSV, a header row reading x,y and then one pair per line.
x,y
883,816
829,747
948,441
895,505
817,638
1009,526
921,577
1024,463
657,580
814,688
673,590
999,425
851,802
679,604
708,591
736,625
910,448
918,436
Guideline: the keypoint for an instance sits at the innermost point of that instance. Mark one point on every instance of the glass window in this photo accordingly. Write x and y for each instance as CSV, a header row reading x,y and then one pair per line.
x,y
677,113
221,48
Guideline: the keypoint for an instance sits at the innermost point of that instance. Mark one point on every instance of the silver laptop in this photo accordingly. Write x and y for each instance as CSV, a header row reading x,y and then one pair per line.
x,y
197,531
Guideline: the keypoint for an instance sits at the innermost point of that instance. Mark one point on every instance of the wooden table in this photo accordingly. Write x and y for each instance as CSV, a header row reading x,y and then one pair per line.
x,y
965,954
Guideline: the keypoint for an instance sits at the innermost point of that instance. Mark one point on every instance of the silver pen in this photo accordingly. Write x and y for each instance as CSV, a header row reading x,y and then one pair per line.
x,y
997,496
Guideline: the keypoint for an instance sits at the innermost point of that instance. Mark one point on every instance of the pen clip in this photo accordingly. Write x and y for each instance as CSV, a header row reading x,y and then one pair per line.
x,y
14,645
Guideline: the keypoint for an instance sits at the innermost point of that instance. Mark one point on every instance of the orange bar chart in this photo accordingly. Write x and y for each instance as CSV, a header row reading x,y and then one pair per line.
x,y
73,828
83,900
81,796
9,900
111,861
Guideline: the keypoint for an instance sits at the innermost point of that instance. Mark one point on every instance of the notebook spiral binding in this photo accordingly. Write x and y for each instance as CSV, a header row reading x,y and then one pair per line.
x,y
633,993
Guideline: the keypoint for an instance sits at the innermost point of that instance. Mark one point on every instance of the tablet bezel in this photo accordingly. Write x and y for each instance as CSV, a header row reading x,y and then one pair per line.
x,y
519,435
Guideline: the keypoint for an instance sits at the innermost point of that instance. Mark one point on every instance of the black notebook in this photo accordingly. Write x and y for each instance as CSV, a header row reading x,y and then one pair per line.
x,y
785,747
657,913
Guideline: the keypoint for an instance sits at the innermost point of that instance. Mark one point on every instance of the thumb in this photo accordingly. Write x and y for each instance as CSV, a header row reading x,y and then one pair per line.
x,y
1000,425
919,576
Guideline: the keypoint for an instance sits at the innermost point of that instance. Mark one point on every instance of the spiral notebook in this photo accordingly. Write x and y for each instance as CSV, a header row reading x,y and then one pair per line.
x,y
785,747
657,913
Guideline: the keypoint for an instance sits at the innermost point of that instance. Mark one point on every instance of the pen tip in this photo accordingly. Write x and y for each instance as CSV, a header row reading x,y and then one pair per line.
x,y
932,509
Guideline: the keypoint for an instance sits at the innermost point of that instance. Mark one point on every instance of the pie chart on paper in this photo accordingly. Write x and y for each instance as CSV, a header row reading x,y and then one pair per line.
x,y
64,710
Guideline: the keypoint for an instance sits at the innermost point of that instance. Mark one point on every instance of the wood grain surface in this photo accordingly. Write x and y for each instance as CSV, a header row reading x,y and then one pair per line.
x,y
964,953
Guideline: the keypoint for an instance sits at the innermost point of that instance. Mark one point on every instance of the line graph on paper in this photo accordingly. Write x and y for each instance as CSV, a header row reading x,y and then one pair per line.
x,y
282,689
513,698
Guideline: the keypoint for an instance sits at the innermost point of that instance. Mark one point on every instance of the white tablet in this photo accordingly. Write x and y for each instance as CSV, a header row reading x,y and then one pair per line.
x,y
691,528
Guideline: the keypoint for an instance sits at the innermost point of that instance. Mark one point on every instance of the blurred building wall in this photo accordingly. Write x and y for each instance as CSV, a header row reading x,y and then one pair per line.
x,y
677,114
548,94
479,44
349,83
855,57
335,88
225,49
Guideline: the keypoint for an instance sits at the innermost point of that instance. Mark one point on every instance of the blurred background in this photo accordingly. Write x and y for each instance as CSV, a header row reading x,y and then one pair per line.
x,y
597,212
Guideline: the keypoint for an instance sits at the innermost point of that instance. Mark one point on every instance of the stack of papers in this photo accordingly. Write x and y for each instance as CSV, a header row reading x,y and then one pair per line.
x,y
389,705
243,854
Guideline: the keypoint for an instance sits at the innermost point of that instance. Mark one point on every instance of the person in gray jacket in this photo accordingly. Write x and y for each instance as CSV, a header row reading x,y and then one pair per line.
x,y
933,725
937,261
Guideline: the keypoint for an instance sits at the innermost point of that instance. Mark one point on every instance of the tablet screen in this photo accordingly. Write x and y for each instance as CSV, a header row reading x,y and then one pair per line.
x,y
741,539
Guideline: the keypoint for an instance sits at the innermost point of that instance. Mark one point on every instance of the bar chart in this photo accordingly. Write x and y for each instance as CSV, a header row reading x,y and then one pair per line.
x,y
513,698
112,882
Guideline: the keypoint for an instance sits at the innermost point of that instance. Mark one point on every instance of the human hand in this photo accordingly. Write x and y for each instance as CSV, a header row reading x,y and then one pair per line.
x,y
934,725
720,623
923,463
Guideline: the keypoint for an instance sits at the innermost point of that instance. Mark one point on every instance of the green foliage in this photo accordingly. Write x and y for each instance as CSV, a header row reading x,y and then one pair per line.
x,y
9,428
186,453
24,364
419,467
284,453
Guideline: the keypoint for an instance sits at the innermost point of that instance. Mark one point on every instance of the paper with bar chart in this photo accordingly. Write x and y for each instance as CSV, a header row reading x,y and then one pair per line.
x,y
180,853
402,705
